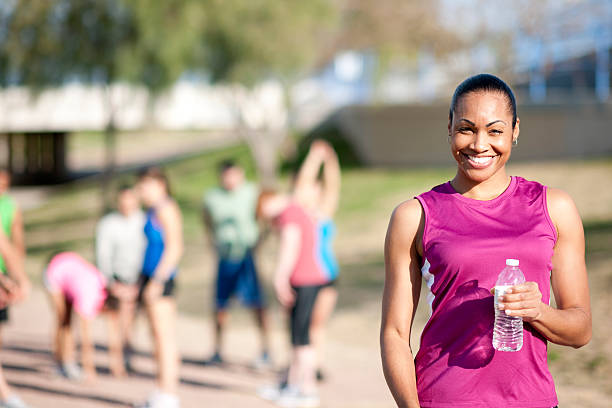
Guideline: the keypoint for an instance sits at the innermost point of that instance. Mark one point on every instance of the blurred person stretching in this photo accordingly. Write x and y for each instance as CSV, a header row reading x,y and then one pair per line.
x,y
305,269
74,285
164,233
120,245
14,283
229,217
320,197
457,237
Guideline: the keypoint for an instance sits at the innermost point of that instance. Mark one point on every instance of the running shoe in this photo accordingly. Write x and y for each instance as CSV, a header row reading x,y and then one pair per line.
x,y
13,401
263,362
71,371
293,398
159,399
216,359
271,392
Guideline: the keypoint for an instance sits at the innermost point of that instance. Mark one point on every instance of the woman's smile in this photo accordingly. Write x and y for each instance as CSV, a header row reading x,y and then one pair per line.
x,y
479,161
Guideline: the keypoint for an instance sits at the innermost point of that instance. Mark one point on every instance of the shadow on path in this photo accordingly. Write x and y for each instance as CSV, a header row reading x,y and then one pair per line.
x,y
71,394
27,350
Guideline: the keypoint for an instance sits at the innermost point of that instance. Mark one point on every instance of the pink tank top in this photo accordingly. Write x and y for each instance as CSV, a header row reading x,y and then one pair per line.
x,y
465,244
307,270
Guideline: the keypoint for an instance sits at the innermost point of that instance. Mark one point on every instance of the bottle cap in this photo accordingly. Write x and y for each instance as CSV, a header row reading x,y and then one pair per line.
x,y
512,262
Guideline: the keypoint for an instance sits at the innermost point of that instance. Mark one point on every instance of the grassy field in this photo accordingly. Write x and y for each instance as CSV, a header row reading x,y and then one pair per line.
x,y
67,221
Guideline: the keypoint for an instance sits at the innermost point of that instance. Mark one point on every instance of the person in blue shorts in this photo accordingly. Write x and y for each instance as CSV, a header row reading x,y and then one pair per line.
x,y
229,217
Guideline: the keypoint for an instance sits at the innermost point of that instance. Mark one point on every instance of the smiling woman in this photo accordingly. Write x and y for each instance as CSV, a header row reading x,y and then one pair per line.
x,y
458,236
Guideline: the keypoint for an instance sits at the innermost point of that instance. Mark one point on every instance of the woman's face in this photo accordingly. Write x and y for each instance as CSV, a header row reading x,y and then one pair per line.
x,y
273,206
127,202
481,134
151,191
5,181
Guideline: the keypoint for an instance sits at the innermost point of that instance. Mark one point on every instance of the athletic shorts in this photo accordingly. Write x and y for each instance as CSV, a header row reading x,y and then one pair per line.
x,y
112,302
301,312
144,280
4,315
238,278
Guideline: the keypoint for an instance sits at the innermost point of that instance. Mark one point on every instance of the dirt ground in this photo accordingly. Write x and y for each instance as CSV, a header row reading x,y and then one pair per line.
x,y
352,362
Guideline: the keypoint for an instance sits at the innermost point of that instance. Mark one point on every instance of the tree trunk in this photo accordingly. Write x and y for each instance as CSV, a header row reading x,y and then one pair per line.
x,y
264,144
110,154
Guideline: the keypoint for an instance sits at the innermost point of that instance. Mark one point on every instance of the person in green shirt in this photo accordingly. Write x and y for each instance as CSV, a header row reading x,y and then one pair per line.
x,y
14,284
229,217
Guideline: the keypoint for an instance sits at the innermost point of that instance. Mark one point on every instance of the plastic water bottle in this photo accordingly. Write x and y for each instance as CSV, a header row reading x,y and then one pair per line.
x,y
508,330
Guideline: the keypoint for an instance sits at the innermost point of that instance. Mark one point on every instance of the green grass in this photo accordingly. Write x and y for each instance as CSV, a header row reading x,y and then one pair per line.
x,y
364,189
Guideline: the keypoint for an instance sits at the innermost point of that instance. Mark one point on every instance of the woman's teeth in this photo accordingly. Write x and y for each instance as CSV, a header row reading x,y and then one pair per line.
x,y
480,160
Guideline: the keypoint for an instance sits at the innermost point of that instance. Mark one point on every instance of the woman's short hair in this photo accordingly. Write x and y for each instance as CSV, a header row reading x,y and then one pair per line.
x,y
263,196
484,83
156,173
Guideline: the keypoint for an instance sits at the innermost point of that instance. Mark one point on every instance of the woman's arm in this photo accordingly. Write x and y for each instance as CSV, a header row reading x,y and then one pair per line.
x,y
290,241
309,170
172,224
569,323
331,183
400,299
13,253
17,235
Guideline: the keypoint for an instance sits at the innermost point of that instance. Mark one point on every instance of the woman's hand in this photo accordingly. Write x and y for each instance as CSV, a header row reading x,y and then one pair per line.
x,y
284,292
23,290
524,300
11,290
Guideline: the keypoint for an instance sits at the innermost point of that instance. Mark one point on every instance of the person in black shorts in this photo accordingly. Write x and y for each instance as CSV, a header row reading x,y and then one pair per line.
x,y
298,281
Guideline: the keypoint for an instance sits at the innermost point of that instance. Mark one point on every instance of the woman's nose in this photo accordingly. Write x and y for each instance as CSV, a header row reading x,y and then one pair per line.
x,y
480,143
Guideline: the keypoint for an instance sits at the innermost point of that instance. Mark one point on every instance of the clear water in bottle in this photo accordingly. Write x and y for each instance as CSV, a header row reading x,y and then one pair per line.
x,y
508,330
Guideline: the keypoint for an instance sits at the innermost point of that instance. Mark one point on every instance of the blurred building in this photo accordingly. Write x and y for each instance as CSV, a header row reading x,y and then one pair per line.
x,y
569,56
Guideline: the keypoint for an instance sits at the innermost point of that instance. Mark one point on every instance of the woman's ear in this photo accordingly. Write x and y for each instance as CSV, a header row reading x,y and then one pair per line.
x,y
516,131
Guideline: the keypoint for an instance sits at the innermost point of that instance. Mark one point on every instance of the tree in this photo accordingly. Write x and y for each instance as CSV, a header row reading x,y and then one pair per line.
x,y
48,43
249,41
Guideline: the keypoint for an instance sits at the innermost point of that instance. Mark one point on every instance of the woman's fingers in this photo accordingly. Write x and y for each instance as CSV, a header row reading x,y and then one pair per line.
x,y
285,295
525,291
523,300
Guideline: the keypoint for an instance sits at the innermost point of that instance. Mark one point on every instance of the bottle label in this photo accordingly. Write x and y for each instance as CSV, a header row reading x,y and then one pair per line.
x,y
499,291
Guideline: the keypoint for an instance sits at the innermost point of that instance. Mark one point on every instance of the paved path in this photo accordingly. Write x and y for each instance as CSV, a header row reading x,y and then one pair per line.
x,y
355,378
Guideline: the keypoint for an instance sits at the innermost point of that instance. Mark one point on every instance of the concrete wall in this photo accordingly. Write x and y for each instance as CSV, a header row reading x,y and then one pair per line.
x,y
417,135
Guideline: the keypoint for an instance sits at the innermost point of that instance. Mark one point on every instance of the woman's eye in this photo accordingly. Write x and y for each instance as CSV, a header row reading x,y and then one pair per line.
x,y
496,131
465,129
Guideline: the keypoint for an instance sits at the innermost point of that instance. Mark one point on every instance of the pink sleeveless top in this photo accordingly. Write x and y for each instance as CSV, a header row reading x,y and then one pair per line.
x,y
465,244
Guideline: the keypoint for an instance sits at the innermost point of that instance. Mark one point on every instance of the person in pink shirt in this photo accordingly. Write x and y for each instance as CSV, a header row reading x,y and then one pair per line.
x,y
299,277
456,237
75,285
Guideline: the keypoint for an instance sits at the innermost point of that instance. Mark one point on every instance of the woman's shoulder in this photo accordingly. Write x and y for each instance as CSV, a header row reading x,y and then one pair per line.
x,y
407,213
439,191
168,209
559,203
535,189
